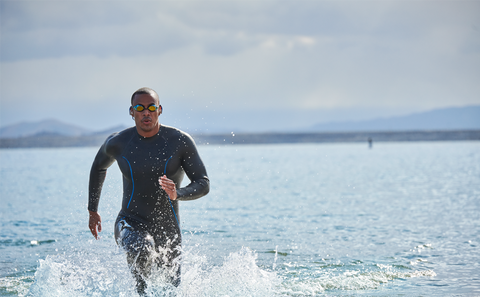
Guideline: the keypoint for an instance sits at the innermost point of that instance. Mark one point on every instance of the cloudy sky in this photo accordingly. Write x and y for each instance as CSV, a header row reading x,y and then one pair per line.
x,y
236,65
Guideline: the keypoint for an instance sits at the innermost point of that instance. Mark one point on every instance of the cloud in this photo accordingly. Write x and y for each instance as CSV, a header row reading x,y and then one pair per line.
x,y
236,56
45,29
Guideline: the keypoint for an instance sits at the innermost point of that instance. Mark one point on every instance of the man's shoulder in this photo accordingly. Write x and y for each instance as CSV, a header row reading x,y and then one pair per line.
x,y
119,138
175,132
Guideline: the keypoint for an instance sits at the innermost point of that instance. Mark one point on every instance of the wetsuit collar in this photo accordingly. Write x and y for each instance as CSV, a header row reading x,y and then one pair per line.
x,y
149,137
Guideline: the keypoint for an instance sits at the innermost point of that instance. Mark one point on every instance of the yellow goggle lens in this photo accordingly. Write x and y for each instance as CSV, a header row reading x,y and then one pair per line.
x,y
139,107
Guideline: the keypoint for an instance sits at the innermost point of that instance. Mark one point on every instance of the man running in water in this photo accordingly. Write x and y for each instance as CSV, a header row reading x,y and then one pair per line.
x,y
153,159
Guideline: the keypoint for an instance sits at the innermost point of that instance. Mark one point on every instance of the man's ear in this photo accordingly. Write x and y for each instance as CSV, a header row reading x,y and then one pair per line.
x,y
131,111
161,109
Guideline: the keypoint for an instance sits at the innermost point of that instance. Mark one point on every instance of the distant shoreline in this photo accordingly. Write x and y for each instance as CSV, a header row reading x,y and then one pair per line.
x,y
44,141
330,137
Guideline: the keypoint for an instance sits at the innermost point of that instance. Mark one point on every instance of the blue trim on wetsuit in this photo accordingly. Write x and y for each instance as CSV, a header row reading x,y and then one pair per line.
x,y
164,173
133,183
166,163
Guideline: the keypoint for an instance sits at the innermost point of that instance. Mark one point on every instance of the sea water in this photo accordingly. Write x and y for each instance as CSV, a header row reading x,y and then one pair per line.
x,y
400,219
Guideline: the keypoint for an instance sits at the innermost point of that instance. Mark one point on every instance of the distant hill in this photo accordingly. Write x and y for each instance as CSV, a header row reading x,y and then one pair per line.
x,y
109,131
50,127
447,119
455,118
53,133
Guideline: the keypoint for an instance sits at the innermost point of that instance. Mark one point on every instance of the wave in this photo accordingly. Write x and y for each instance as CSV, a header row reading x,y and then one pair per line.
x,y
104,272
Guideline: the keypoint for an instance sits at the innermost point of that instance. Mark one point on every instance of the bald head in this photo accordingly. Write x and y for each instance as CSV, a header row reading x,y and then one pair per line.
x,y
147,91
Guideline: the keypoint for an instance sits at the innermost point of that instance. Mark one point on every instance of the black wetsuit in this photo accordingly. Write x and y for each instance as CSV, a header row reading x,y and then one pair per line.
x,y
148,222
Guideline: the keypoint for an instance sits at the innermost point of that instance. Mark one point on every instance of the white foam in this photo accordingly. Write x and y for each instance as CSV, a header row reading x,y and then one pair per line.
x,y
16,284
347,280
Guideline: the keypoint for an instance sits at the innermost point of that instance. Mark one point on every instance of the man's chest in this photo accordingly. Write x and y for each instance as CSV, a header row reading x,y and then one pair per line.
x,y
148,159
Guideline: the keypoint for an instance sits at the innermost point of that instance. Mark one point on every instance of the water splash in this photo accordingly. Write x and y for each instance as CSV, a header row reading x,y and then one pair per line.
x,y
239,275
107,274
82,274
101,270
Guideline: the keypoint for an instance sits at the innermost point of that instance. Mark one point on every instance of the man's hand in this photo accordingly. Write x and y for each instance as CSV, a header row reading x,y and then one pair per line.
x,y
169,186
95,223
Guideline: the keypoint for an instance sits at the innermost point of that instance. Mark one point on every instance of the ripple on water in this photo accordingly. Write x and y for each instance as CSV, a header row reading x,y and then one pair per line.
x,y
16,284
25,242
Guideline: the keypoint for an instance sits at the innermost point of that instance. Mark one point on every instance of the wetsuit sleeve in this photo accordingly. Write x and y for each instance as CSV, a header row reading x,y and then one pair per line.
x,y
193,166
102,161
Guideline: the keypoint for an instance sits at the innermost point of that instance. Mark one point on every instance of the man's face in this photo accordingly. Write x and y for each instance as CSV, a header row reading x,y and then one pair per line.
x,y
146,121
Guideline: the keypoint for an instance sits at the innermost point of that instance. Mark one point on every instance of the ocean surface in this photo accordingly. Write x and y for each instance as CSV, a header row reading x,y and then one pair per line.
x,y
400,219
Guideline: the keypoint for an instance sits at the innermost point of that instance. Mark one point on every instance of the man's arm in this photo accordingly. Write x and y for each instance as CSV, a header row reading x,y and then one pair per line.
x,y
193,166
97,177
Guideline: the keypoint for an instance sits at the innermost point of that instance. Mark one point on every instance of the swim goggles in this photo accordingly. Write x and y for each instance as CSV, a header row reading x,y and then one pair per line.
x,y
151,107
